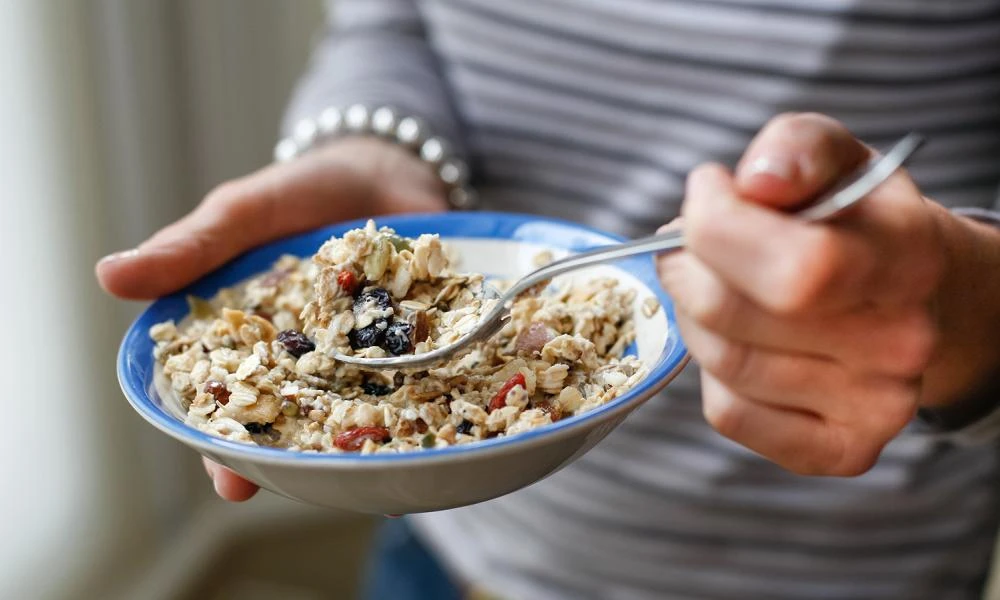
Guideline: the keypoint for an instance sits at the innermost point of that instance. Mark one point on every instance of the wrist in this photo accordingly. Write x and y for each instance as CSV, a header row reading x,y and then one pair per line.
x,y
384,123
967,305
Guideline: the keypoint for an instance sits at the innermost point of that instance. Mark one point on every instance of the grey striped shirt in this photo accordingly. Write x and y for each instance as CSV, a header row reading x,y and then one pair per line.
x,y
595,110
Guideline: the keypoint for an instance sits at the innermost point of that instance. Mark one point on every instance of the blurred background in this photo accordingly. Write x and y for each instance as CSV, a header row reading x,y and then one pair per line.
x,y
118,116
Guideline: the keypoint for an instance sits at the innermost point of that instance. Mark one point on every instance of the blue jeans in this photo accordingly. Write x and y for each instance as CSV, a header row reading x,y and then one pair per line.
x,y
402,568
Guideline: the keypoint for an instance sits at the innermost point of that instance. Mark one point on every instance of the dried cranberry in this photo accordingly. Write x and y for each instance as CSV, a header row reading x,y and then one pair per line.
x,y
374,298
375,389
353,439
218,391
500,399
397,338
366,337
347,282
464,427
295,342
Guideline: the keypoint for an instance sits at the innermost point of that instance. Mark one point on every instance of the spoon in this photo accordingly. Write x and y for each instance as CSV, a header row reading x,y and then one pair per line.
x,y
838,198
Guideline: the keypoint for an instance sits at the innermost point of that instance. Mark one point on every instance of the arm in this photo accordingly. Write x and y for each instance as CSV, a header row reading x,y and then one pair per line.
x,y
375,52
819,342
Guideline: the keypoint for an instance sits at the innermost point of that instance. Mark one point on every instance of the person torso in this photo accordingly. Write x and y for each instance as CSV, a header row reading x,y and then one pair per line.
x,y
595,110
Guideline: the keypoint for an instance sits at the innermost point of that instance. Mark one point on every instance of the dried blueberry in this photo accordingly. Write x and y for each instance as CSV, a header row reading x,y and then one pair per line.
x,y
373,298
464,427
397,337
257,427
295,342
366,337
375,389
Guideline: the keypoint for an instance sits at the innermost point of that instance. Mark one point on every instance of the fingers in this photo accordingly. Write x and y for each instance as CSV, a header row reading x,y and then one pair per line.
x,y
329,185
898,342
797,441
782,264
234,217
795,157
229,485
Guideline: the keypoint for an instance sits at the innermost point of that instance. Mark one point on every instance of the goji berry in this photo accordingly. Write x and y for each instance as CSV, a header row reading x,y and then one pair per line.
x,y
500,399
347,281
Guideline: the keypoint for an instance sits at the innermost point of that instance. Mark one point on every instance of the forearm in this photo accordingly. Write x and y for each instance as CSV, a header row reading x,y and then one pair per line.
x,y
961,377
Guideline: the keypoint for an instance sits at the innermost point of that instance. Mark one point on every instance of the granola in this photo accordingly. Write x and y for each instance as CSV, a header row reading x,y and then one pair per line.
x,y
254,364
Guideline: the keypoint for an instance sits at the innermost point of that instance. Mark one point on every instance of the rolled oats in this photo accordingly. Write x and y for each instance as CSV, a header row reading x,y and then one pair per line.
x,y
559,355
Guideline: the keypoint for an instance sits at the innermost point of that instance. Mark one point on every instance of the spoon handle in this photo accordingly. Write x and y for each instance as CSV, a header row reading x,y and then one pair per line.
x,y
662,242
827,205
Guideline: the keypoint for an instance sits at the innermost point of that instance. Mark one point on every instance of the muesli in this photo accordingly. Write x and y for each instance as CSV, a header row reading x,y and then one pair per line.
x,y
253,364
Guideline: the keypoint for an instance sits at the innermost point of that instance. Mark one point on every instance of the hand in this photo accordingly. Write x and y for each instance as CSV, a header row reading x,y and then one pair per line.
x,y
346,179
818,342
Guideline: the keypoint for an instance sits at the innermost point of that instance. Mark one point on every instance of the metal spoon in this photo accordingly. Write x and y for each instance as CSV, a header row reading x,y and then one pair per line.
x,y
847,191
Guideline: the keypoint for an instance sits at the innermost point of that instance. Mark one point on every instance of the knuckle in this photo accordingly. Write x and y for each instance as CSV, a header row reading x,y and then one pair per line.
x,y
803,278
716,307
916,346
730,362
724,414
839,456
222,195
897,409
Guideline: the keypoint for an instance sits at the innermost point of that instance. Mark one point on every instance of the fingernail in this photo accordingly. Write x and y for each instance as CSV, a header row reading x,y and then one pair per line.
x,y
781,167
124,254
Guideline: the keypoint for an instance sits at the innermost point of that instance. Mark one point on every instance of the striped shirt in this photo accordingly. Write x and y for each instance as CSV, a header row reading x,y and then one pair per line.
x,y
595,110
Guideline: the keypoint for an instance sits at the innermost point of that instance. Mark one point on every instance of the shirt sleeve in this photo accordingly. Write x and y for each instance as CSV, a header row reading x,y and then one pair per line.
x,y
376,52
977,420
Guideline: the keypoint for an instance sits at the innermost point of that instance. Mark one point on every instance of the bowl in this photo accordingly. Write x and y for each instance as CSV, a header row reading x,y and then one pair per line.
x,y
497,244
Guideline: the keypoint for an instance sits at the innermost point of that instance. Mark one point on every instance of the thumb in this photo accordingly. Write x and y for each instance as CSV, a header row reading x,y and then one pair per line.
x,y
276,201
794,158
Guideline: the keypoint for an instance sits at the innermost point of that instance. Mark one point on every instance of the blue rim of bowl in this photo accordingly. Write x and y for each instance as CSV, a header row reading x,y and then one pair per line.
x,y
136,348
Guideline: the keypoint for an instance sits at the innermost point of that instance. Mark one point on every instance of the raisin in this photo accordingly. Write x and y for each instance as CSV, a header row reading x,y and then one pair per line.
x,y
500,399
398,379
464,427
257,427
397,337
366,337
375,297
550,408
353,439
375,389
295,342
347,282
421,425
218,391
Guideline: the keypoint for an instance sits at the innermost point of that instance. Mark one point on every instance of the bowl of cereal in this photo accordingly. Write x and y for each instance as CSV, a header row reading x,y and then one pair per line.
x,y
240,365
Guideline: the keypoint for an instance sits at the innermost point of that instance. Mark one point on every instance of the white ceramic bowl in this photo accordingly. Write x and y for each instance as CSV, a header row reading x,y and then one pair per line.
x,y
502,245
